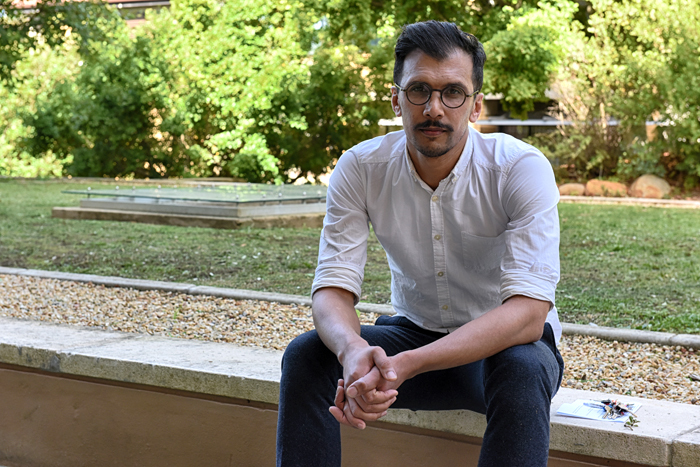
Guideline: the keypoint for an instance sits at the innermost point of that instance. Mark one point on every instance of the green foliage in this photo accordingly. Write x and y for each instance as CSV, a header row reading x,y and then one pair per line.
x,y
106,115
524,57
637,63
266,91
35,78
52,24
272,91
233,65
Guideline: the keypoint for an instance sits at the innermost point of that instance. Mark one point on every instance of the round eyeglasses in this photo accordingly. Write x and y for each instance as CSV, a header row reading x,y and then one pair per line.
x,y
451,96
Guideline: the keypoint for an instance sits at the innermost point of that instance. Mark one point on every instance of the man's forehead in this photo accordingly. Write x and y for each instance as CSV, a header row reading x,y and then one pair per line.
x,y
455,68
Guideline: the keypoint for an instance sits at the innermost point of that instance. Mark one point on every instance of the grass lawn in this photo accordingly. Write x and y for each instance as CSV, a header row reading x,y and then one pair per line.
x,y
621,266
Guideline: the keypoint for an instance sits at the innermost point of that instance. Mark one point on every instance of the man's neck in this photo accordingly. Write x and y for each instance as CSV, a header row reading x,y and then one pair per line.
x,y
432,170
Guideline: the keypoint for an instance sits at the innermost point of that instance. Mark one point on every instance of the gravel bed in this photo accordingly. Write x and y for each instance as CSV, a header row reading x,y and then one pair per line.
x,y
636,369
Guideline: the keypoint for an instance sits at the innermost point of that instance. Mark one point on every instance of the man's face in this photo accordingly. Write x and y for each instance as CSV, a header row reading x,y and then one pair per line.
x,y
433,129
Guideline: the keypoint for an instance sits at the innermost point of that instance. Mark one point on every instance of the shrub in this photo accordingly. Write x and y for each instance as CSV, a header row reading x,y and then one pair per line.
x,y
638,62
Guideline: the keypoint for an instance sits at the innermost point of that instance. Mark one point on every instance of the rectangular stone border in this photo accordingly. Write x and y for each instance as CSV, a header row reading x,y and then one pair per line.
x,y
292,221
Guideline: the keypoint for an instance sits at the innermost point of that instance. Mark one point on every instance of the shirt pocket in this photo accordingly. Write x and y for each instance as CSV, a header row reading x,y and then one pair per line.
x,y
482,253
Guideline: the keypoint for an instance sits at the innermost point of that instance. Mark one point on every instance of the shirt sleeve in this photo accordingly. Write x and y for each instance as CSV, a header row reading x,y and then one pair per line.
x,y
530,197
342,250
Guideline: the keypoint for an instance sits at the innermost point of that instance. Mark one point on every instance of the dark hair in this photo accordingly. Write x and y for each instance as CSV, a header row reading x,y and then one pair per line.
x,y
439,39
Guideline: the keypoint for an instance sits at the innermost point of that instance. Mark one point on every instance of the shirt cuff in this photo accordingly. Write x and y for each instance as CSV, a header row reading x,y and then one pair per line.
x,y
528,284
343,277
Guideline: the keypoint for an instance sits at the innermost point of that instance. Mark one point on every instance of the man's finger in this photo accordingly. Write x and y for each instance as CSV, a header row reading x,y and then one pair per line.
x,y
378,397
384,364
350,417
364,384
339,415
372,409
339,395
355,411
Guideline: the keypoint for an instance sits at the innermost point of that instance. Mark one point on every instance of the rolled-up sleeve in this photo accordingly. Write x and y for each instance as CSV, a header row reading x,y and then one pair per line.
x,y
343,246
530,197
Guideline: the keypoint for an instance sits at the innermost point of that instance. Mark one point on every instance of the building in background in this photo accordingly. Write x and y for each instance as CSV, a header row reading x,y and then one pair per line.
x,y
133,11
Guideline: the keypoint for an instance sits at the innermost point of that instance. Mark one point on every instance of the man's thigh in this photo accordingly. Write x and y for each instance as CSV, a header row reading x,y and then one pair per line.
x,y
465,387
455,388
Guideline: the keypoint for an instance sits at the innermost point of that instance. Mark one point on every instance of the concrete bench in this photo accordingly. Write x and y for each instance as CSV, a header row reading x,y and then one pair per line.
x,y
72,396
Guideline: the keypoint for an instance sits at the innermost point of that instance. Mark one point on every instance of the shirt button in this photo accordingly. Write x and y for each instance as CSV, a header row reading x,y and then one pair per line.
x,y
435,198
440,274
437,237
445,307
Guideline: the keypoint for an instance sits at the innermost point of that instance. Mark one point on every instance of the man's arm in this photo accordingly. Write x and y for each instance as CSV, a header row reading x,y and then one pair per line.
x,y
339,328
520,320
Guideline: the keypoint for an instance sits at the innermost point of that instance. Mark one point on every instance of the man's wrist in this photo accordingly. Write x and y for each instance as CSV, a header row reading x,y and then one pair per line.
x,y
351,346
406,364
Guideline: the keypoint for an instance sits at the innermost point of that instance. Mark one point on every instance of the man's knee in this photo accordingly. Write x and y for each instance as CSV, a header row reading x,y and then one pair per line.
x,y
523,369
306,352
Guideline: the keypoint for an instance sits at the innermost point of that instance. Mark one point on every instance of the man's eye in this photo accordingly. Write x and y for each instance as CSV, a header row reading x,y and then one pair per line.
x,y
454,91
419,88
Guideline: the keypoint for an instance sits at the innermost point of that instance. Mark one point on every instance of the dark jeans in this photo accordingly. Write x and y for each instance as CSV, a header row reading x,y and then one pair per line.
x,y
514,388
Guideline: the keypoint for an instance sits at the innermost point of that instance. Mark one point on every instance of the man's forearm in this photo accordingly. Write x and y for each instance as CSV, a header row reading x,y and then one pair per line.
x,y
519,320
335,319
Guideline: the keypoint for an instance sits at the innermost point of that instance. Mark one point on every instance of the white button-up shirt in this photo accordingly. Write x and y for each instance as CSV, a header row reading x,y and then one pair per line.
x,y
489,231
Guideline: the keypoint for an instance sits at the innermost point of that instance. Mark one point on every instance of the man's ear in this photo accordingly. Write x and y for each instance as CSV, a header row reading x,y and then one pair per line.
x,y
395,106
478,107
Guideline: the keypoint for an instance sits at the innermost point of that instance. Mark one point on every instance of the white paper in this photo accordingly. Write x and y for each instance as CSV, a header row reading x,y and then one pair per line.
x,y
581,409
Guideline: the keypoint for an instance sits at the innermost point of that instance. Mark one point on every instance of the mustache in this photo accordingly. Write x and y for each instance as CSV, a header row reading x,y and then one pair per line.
x,y
433,124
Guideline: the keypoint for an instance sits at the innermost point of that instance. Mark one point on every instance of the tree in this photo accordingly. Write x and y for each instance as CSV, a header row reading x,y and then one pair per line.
x,y
50,23
636,63
352,65
263,90
235,66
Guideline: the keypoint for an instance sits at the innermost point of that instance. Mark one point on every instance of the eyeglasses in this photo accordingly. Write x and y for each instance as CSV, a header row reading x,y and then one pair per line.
x,y
451,96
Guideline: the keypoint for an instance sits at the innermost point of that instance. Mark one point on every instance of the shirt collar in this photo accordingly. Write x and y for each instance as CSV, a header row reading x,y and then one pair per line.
x,y
459,167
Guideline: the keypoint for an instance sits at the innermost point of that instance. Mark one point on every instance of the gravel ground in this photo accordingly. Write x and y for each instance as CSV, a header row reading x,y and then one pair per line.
x,y
642,370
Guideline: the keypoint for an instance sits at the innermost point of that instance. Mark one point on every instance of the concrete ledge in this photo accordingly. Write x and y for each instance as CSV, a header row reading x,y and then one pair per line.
x,y
668,434
311,220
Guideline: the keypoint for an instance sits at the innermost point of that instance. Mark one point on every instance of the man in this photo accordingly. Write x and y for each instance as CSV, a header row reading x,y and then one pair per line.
x,y
469,223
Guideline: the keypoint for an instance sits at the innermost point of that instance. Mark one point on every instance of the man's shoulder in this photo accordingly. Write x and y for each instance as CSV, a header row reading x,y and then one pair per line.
x,y
500,151
380,149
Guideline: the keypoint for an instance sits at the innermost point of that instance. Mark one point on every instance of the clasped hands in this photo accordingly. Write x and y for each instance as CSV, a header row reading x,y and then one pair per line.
x,y
368,387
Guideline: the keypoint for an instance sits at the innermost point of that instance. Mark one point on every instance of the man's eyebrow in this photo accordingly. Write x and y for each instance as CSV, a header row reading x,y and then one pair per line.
x,y
455,83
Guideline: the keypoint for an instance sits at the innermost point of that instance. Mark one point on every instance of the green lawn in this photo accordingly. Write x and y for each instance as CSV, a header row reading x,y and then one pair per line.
x,y
621,266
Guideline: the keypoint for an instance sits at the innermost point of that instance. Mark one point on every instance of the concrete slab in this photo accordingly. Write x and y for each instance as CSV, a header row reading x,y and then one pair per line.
x,y
686,450
651,443
189,365
181,220
41,345
203,367
668,433
460,422
205,209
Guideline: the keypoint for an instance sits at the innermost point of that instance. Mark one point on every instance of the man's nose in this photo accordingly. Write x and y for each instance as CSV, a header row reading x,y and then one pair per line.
x,y
434,108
